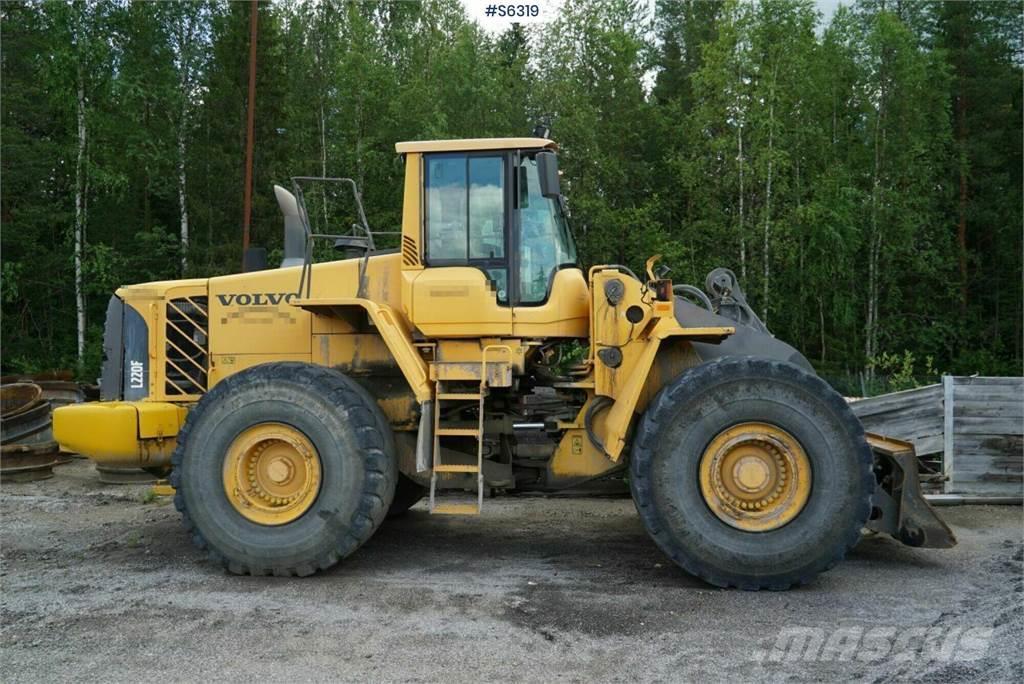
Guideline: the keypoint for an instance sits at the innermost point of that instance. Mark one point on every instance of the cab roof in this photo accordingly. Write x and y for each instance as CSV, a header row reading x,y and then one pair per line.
x,y
471,144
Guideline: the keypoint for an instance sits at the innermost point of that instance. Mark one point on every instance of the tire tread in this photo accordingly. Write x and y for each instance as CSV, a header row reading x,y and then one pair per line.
x,y
371,430
660,413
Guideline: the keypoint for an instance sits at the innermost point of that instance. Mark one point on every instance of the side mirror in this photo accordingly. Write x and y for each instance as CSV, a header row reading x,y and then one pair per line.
x,y
547,172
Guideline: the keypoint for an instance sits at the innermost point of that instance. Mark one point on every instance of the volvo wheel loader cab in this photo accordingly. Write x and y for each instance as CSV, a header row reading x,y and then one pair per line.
x,y
299,406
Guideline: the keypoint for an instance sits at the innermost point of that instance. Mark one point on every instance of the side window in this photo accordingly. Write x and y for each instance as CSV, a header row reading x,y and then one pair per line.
x,y
446,207
545,240
465,222
486,208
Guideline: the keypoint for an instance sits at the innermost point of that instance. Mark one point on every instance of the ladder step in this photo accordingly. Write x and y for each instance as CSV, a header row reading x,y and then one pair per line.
x,y
456,509
458,396
457,432
456,468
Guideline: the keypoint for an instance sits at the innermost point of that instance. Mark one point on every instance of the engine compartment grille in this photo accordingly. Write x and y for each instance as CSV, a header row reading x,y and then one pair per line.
x,y
187,347
409,255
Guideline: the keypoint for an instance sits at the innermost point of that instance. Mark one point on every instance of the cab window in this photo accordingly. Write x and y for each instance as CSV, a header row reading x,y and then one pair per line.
x,y
465,222
545,240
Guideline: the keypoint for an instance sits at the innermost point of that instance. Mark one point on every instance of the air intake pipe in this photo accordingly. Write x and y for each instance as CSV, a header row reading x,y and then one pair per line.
x,y
294,232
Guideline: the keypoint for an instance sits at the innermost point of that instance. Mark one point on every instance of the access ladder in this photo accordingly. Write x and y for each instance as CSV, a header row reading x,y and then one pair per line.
x,y
441,431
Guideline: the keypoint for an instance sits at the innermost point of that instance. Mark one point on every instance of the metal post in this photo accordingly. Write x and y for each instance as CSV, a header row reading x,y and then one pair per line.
x,y
251,120
948,448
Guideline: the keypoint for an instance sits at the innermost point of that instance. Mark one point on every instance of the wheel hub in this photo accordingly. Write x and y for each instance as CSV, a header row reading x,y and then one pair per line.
x,y
272,473
280,471
750,473
755,477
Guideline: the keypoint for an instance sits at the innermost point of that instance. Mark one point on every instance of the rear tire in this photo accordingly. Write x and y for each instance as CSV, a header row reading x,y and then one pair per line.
x,y
354,479
691,417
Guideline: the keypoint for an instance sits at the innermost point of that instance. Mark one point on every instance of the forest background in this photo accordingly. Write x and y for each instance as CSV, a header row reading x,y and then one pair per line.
x,y
862,176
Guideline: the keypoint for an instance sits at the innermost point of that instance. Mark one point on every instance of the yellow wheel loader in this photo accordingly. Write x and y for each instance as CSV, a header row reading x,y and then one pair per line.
x,y
297,407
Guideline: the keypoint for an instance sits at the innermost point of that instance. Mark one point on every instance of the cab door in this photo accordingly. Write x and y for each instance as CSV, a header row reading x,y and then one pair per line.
x,y
551,294
464,289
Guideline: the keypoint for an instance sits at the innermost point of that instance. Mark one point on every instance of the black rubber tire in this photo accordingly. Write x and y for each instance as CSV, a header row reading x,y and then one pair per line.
x,y
407,492
407,495
683,419
358,468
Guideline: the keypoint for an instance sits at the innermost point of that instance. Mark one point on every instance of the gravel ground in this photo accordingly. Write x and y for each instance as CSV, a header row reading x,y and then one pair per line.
x,y
100,584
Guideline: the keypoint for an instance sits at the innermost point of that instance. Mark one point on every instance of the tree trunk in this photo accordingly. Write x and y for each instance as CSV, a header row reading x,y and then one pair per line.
x,y
324,88
182,196
323,157
961,228
768,206
874,243
185,32
743,239
80,216
800,247
875,238
323,141
821,325
147,215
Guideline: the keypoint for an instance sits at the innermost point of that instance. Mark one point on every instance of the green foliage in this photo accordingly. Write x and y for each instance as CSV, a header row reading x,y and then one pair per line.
x,y
902,370
863,178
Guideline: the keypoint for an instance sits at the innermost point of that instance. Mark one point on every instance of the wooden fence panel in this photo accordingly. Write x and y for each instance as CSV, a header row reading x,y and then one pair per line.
x,y
913,415
984,436
975,423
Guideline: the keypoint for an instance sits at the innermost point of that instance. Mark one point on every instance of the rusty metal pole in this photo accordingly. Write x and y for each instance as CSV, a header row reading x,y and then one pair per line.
x,y
250,126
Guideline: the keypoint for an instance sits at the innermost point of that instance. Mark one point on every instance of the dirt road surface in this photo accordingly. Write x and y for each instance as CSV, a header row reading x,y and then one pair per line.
x,y
101,584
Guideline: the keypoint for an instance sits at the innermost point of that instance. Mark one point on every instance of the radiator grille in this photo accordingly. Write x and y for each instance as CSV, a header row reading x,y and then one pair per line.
x,y
409,251
187,347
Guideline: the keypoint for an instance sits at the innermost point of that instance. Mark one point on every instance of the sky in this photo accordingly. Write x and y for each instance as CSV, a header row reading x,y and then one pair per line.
x,y
547,9
477,10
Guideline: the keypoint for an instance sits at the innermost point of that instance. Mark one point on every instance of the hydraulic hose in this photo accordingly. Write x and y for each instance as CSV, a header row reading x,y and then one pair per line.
x,y
695,292
599,404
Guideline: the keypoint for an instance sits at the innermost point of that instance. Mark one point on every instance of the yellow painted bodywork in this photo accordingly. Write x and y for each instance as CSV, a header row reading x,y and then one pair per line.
x,y
151,301
472,145
389,325
638,344
460,360
566,313
577,458
410,326
136,433
457,301
412,220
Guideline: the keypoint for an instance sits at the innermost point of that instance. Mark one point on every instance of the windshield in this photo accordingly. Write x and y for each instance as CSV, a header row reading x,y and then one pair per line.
x,y
545,240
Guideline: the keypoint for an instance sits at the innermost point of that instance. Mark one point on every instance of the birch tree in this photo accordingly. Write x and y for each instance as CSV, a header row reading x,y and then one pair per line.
x,y
908,133
81,174
184,22
75,69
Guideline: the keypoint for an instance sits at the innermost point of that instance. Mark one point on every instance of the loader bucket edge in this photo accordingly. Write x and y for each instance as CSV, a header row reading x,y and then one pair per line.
x,y
899,508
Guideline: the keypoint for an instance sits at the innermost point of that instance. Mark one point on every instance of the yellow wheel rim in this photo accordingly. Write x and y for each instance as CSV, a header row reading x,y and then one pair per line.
x,y
755,477
272,473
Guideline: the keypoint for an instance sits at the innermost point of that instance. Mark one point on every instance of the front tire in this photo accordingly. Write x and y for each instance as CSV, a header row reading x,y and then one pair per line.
x,y
283,469
751,473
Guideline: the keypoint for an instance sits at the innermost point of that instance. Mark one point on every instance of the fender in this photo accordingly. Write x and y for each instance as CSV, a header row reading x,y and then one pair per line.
x,y
620,415
392,330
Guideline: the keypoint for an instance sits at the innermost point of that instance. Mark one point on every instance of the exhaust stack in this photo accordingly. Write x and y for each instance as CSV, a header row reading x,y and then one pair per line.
x,y
294,232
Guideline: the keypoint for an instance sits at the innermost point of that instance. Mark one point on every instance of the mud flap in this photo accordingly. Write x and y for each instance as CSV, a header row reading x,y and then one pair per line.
x,y
425,438
898,507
